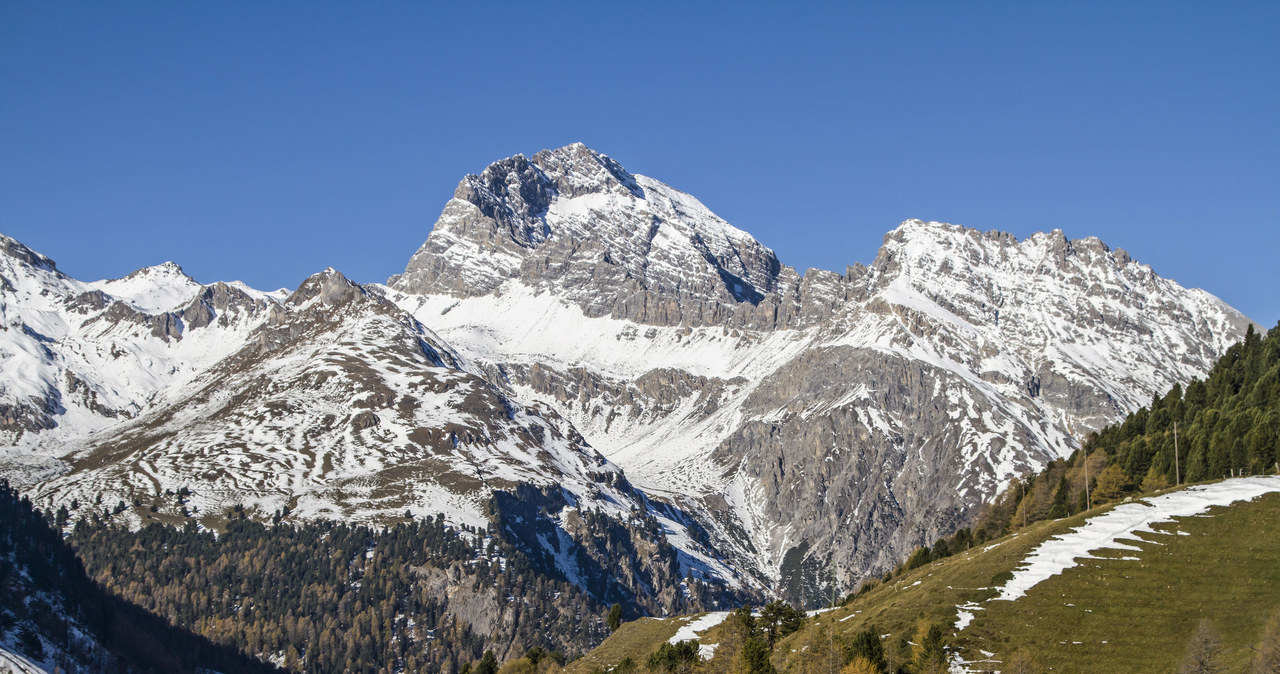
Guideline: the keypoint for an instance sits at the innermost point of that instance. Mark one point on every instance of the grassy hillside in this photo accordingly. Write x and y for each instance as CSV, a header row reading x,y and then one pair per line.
x,y
635,640
1113,614
1128,611
1131,610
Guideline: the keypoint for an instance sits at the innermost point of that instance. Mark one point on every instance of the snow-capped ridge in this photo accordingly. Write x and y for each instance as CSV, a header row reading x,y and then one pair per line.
x,y
907,391
16,250
152,290
80,357
330,286
916,235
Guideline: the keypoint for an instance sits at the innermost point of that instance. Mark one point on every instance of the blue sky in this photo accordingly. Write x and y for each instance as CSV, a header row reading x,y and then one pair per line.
x,y
265,141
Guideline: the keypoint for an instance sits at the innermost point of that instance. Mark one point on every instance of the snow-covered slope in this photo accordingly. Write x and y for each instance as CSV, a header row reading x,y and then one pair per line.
x,y
858,414
816,426
78,357
328,402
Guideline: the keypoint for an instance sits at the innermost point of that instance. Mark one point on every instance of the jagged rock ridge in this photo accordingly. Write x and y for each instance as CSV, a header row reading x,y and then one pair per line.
x,y
326,402
566,321
815,421
617,244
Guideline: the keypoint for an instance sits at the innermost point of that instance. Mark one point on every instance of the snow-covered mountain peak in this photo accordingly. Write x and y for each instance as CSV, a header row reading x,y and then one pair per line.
x,y
166,269
77,357
334,403
908,391
575,223
577,170
330,286
160,288
562,306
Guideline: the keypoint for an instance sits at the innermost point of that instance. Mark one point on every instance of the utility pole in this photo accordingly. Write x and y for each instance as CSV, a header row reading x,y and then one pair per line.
x,y
1022,501
831,631
1088,501
1177,473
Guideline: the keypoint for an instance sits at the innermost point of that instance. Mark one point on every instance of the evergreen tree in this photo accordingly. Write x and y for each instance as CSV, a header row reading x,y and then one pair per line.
x,y
615,617
866,645
755,657
488,664
929,655
672,658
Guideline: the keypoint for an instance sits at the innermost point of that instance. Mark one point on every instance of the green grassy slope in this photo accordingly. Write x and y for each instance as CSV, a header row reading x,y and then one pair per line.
x,y
1123,615
636,639
1109,614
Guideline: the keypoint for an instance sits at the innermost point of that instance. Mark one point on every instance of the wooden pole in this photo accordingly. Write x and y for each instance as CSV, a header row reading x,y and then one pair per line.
x,y
1177,473
1088,501
1022,489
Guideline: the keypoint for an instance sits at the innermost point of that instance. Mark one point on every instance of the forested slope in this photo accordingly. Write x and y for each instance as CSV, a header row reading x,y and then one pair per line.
x,y
52,614
1226,424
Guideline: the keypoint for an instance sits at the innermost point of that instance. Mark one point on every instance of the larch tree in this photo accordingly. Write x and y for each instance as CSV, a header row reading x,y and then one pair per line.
x,y
1204,651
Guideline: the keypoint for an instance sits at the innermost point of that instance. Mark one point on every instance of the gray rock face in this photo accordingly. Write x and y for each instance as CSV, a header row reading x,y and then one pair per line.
x,y
617,244
818,422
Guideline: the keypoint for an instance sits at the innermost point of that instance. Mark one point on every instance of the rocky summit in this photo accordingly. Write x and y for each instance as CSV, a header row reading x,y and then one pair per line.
x,y
820,424
580,339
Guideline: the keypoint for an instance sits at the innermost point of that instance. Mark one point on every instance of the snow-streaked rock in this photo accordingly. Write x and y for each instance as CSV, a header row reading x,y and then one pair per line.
x,y
327,402
566,321
841,419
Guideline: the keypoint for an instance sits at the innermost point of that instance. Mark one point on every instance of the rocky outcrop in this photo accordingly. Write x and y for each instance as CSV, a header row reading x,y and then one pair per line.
x,y
621,245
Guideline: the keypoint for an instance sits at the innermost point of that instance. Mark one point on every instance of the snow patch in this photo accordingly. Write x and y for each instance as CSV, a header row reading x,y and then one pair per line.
x,y
691,630
1124,521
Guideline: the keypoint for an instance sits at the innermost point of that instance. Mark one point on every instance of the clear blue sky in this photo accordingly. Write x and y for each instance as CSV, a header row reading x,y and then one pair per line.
x,y
265,141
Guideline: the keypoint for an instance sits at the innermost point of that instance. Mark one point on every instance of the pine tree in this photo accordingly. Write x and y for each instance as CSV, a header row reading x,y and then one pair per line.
x,y
488,664
755,657
615,617
929,654
866,645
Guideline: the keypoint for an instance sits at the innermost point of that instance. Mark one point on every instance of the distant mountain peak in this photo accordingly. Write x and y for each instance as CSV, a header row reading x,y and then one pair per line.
x,y
164,269
330,285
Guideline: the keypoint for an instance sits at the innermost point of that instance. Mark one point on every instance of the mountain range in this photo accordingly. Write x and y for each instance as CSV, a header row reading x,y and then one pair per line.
x,y
587,340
